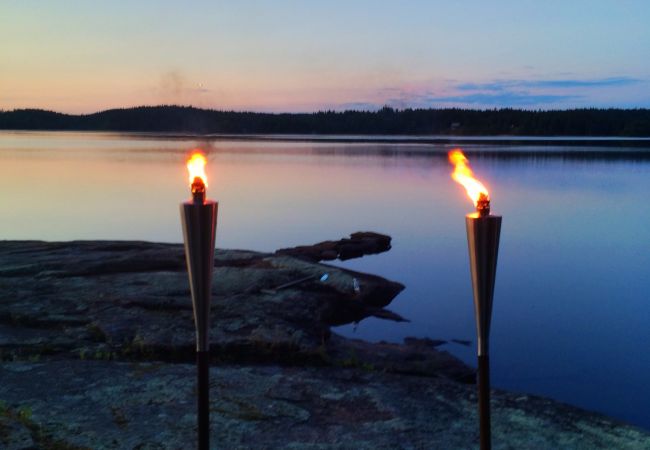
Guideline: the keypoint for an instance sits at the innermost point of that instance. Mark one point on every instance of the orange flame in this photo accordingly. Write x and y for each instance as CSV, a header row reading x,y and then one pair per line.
x,y
463,174
196,167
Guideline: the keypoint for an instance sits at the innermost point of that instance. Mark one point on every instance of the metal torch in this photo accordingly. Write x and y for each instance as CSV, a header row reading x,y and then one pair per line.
x,y
483,231
199,220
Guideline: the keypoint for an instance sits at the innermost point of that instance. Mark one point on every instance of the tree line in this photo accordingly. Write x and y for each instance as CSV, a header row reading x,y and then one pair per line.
x,y
386,121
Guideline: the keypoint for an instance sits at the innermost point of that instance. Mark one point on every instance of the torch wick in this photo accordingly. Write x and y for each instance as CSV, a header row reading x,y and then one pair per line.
x,y
483,205
198,190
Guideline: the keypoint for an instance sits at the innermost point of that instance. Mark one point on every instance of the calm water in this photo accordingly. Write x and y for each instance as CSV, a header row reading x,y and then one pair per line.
x,y
572,310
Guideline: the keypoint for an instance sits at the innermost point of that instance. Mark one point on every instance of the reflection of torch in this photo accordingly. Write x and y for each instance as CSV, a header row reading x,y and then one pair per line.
x,y
199,219
483,231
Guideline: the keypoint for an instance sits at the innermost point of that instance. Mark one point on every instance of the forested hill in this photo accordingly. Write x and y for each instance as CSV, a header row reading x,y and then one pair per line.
x,y
387,121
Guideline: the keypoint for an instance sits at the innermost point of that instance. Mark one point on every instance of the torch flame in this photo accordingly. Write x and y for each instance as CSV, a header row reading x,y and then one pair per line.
x,y
196,167
463,174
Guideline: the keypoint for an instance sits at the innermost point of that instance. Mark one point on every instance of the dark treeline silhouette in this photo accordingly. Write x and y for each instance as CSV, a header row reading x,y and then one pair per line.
x,y
386,121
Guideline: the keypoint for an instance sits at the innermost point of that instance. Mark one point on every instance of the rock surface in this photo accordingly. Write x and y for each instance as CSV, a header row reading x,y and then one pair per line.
x,y
359,244
96,337
100,404
130,300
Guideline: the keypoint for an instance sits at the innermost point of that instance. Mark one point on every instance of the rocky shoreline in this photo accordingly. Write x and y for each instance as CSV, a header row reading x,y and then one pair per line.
x,y
97,341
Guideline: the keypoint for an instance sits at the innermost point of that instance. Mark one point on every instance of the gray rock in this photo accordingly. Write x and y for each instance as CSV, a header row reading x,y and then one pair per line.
x,y
131,300
101,404
358,244
95,338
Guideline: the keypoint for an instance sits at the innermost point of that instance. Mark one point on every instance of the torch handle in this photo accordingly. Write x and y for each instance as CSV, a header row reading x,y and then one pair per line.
x,y
203,398
484,401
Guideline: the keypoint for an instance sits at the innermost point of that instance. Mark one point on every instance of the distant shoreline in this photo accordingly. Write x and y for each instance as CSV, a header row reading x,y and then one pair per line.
x,y
569,127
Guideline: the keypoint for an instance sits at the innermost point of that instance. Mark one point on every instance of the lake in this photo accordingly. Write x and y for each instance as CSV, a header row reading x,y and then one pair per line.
x,y
572,308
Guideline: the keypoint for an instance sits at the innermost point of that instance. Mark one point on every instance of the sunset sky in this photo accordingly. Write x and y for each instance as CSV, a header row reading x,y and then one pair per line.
x,y
81,56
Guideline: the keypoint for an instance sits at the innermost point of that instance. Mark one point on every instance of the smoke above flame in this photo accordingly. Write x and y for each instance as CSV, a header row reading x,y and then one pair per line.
x,y
463,175
196,167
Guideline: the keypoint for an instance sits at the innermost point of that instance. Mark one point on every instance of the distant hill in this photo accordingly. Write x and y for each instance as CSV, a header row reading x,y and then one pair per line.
x,y
388,121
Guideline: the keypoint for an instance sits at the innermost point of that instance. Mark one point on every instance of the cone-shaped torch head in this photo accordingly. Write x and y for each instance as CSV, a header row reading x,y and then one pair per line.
x,y
483,240
199,219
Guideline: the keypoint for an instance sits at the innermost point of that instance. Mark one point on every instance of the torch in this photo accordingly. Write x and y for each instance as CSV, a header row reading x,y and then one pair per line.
x,y
483,231
199,220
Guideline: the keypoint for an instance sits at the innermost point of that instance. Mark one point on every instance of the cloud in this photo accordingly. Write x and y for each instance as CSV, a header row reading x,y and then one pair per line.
x,y
504,99
359,106
174,88
603,82
564,91
503,85
172,84
525,93
491,86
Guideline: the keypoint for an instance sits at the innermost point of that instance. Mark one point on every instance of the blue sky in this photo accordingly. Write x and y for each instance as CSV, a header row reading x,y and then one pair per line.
x,y
79,56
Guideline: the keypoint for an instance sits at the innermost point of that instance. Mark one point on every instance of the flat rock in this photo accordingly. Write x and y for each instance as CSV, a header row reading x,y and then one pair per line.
x,y
131,300
115,405
96,337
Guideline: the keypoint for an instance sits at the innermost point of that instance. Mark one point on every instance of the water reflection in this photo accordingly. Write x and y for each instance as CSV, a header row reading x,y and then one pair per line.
x,y
570,312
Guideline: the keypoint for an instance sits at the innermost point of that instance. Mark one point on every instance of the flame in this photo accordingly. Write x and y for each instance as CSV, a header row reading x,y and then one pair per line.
x,y
463,174
196,167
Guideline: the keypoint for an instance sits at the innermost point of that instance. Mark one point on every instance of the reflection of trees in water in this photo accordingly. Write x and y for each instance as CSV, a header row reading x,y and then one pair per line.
x,y
550,153
566,155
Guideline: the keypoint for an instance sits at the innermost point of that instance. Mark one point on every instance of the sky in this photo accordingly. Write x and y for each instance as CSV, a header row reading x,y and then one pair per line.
x,y
278,55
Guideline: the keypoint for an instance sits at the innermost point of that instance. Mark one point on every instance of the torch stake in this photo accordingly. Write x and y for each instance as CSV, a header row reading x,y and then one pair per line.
x,y
483,231
199,220
203,401
484,401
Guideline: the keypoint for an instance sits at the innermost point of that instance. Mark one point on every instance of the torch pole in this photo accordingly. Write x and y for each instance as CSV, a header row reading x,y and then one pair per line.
x,y
485,426
483,231
199,220
203,400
